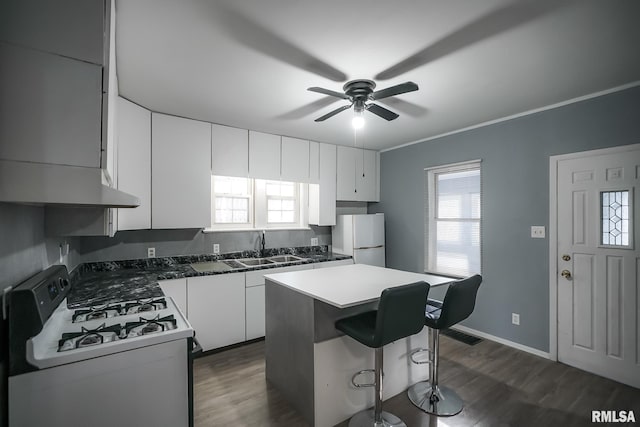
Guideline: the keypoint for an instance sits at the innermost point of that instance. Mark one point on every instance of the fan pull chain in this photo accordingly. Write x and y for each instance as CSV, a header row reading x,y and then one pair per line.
x,y
355,162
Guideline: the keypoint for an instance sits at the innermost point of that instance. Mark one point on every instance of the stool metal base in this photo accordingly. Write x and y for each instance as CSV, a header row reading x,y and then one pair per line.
x,y
366,419
444,402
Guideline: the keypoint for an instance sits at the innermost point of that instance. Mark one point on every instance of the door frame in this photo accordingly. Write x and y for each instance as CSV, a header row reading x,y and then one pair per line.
x,y
553,233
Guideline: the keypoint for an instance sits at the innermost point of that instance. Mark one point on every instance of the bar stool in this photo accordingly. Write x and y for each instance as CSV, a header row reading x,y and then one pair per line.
x,y
400,314
457,305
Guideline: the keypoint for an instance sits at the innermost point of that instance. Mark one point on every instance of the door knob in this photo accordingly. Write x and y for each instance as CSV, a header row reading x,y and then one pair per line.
x,y
566,258
566,274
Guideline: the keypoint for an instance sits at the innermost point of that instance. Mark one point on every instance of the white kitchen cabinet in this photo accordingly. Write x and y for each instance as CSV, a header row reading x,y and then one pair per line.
x,y
216,307
264,155
134,163
180,172
50,117
176,289
346,174
314,162
294,160
71,28
255,307
322,196
229,151
255,312
356,174
366,175
333,263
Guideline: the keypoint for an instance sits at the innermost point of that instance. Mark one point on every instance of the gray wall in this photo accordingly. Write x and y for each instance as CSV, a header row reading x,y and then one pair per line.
x,y
515,173
134,244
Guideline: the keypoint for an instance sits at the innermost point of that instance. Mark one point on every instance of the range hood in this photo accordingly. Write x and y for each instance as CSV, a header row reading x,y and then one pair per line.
x,y
47,184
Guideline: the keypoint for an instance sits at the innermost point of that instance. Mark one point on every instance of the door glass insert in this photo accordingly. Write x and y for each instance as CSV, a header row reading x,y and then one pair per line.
x,y
615,218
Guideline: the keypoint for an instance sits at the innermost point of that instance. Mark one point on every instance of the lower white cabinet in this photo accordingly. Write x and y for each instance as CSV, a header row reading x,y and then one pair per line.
x,y
255,312
333,263
176,289
217,309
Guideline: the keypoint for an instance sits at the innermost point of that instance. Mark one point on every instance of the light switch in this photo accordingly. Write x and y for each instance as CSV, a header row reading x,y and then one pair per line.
x,y
537,232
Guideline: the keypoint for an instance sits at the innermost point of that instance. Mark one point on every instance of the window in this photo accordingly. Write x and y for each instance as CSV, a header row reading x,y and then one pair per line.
x,y
452,219
232,202
615,217
243,203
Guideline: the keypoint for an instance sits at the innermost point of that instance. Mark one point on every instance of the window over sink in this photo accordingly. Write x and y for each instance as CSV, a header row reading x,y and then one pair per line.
x,y
245,203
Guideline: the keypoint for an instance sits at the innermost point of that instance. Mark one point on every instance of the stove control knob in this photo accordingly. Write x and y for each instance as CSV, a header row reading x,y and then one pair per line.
x,y
63,283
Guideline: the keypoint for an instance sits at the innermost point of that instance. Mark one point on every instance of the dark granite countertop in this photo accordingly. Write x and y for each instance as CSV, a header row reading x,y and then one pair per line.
x,y
107,282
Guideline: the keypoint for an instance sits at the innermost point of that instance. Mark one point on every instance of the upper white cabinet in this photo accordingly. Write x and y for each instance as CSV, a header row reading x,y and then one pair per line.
x,y
229,151
346,174
49,117
314,162
367,175
357,174
56,80
295,160
134,163
180,172
70,28
264,155
322,196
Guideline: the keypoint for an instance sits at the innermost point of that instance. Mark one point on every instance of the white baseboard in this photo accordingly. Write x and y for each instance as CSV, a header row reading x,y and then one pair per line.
x,y
499,340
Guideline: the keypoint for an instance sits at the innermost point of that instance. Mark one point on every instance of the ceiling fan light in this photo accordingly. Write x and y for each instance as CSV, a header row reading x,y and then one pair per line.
x,y
357,122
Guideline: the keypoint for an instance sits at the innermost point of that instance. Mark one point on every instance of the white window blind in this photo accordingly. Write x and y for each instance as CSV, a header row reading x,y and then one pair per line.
x,y
453,219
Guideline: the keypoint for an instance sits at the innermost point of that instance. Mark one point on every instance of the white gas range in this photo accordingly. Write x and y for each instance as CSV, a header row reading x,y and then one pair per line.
x,y
131,359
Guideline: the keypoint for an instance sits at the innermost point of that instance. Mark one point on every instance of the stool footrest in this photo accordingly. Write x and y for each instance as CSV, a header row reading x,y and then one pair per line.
x,y
420,351
364,371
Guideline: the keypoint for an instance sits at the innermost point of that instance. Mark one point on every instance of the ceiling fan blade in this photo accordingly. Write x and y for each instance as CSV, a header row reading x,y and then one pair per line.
x,y
495,22
333,113
382,112
394,90
328,92
252,34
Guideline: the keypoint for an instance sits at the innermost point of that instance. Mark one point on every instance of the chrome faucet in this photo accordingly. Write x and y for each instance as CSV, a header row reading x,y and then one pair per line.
x,y
262,244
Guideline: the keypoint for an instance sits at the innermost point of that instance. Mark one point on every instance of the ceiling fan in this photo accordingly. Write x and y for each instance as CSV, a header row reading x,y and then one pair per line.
x,y
360,93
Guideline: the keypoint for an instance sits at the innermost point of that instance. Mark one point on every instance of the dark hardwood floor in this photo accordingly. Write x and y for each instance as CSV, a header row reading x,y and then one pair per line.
x,y
501,386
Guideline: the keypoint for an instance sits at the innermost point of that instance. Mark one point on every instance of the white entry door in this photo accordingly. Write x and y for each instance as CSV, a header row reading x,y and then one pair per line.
x,y
599,263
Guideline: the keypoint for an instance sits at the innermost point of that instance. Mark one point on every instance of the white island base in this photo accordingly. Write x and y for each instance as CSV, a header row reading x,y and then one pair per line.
x,y
310,362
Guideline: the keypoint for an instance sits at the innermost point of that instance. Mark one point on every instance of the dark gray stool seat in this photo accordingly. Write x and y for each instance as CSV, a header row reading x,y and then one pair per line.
x,y
400,314
458,304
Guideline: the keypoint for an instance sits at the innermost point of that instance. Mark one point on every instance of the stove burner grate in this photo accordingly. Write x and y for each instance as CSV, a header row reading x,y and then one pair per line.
x,y
97,312
142,306
149,326
89,337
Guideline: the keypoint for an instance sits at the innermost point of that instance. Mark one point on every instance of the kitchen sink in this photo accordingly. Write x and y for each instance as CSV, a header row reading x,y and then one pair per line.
x,y
212,266
284,258
252,262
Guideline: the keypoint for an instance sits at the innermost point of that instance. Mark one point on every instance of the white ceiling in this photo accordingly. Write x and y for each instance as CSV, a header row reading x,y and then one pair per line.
x,y
248,63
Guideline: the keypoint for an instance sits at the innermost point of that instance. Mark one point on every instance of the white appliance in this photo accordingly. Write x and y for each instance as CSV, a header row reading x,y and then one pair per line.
x,y
127,363
361,236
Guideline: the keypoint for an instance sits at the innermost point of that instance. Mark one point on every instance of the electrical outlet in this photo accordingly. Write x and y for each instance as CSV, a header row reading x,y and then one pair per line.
x,y
216,248
537,231
151,252
314,241
515,318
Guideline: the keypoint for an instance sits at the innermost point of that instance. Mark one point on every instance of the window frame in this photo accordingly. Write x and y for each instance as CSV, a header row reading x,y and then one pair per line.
x,y
258,201
249,225
431,211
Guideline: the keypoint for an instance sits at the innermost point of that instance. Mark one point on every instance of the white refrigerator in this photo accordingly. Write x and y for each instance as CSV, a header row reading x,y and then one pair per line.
x,y
361,236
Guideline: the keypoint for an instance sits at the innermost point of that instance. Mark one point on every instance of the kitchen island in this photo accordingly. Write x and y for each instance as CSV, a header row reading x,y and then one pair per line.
x,y
310,362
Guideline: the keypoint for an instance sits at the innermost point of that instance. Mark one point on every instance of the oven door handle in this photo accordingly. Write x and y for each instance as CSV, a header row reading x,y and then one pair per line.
x,y
197,348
